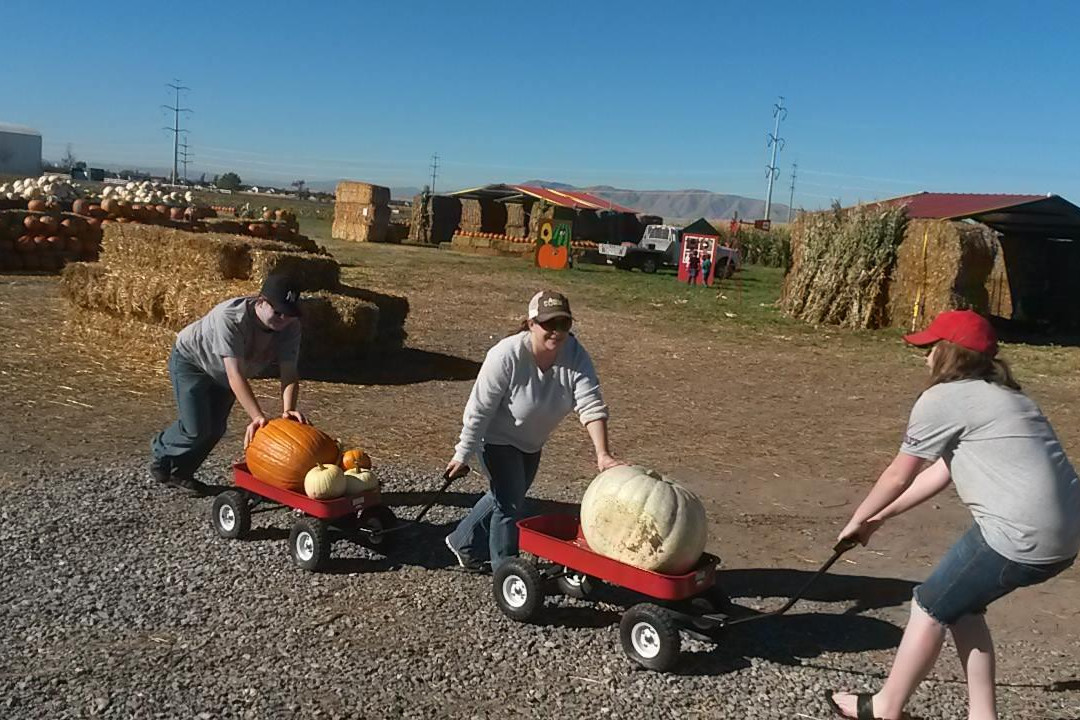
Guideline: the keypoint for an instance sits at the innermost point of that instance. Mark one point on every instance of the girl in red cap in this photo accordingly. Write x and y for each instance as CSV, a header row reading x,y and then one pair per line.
x,y
974,428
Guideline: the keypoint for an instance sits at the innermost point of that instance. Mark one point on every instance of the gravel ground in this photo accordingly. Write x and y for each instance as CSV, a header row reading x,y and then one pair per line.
x,y
119,601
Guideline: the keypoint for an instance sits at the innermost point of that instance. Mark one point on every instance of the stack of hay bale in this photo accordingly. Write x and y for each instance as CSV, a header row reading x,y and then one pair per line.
x,y
941,266
482,216
167,278
842,261
516,224
361,212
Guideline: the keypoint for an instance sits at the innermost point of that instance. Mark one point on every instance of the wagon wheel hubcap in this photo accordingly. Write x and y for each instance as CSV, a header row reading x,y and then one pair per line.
x,y
515,591
305,546
226,517
645,639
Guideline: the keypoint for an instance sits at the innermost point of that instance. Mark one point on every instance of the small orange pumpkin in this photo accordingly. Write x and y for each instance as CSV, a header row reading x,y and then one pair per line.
x,y
356,458
282,452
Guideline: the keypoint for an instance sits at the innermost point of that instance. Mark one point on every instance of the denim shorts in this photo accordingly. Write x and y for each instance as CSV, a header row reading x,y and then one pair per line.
x,y
972,575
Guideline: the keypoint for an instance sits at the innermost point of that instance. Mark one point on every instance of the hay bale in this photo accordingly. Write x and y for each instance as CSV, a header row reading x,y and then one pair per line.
x,y
940,266
445,217
841,264
310,272
484,215
361,193
335,329
359,222
998,291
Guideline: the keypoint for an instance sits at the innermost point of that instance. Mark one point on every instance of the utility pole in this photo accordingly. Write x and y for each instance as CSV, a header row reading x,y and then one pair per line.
x,y
185,156
791,198
434,171
776,143
175,129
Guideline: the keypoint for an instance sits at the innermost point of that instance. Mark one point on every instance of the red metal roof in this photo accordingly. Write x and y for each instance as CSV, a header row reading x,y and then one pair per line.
x,y
572,199
958,205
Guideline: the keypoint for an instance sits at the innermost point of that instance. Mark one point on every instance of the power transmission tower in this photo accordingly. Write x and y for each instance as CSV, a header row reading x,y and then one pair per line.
x,y
176,129
434,171
776,143
791,198
185,156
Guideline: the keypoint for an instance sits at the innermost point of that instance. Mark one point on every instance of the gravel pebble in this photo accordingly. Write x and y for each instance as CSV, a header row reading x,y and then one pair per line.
x,y
118,600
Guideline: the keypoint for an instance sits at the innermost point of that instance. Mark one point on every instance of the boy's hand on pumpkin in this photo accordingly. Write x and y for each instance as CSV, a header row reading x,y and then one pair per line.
x,y
253,427
295,415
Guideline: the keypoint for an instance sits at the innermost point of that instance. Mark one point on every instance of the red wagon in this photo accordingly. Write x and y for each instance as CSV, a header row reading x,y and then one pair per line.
x,y
650,632
363,517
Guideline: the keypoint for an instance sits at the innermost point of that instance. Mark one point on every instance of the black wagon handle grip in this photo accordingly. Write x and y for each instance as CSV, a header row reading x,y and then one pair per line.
x,y
844,545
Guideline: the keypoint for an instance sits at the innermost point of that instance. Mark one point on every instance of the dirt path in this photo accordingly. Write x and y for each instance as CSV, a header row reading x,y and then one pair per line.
x,y
780,433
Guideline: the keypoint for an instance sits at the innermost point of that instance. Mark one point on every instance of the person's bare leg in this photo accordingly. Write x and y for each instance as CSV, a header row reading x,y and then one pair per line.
x,y
918,651
976,650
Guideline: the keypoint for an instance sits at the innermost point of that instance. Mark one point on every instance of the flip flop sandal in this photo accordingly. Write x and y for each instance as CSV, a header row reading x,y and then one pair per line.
x,y
864,706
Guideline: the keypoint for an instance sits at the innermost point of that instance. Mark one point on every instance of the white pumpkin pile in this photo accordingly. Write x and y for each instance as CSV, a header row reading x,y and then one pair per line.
x,y
326,481
148,192
639,517
51,188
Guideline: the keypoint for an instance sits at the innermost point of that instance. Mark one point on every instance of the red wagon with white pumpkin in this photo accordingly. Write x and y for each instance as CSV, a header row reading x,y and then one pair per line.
x,y
650,630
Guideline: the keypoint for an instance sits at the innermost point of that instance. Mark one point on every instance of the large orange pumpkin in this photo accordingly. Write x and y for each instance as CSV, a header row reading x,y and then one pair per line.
x,y
283,451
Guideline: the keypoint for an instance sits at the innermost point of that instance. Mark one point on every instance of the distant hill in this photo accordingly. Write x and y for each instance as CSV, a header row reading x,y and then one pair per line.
x,y
679,204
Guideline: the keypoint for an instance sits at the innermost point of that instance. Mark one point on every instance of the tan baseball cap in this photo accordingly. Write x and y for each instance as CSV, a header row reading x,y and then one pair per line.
x,y
548,304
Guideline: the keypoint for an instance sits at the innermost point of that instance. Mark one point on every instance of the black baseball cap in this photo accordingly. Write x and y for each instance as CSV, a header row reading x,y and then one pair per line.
x,y
282,293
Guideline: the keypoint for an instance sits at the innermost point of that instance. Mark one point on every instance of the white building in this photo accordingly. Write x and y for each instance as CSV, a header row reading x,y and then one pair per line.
x,y
20,150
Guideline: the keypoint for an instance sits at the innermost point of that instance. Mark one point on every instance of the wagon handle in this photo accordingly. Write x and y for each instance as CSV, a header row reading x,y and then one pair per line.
x,y
839,549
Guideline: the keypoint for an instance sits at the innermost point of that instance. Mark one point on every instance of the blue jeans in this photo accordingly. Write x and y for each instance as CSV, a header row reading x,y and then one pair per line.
x,y
490,528
972,575
203,406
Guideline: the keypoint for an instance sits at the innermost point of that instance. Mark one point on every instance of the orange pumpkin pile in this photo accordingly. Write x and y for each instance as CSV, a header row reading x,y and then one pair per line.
x,y
46,240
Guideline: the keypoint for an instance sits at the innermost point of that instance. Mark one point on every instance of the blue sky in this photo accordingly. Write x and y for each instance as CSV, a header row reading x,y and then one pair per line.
x,y
884,98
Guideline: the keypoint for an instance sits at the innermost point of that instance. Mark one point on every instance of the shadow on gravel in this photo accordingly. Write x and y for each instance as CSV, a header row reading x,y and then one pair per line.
x,y
867,593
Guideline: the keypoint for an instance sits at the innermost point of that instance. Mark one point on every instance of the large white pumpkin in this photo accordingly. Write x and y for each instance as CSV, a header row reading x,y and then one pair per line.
x,y
324,482
639,517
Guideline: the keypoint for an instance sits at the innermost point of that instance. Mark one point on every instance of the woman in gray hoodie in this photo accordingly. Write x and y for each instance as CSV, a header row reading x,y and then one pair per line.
x,y
528,383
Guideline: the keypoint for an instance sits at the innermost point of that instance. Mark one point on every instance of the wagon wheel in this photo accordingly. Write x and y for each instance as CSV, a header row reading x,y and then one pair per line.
x,y
309,543
574,584
375,520
518,590
230,515
649,637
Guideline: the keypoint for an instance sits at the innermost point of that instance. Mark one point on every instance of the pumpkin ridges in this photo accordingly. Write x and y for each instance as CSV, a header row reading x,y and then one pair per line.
x,y
283,451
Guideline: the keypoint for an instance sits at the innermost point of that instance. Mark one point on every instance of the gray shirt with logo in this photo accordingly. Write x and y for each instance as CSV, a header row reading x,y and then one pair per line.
x,y
231,329
514,403
1007,465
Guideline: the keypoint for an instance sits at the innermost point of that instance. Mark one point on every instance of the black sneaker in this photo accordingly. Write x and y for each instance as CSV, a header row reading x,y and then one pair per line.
x,y
189,486
161,470
466,563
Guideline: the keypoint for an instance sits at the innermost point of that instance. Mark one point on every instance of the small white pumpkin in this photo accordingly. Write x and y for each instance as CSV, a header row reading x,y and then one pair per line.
x,y
324,482
641,518
360,480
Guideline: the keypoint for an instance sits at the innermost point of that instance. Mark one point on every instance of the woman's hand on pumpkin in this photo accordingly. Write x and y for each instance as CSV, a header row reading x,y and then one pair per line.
x,y
606,461
295,415
253,427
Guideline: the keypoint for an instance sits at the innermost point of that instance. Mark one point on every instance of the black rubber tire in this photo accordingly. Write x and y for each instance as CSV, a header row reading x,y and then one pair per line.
x,y
309,544
650,637
378,517
649,265
518,590
574,584
230,515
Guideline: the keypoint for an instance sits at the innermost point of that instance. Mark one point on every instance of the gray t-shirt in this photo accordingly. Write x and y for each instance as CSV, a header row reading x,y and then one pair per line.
x,y
1007,465
513,403
232,330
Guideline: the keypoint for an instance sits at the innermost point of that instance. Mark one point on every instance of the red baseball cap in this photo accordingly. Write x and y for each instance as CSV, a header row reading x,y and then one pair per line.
x,y
965,328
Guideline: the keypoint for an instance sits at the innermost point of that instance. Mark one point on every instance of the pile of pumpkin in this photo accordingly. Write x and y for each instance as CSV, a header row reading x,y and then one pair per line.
x,y
303,459
39,239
